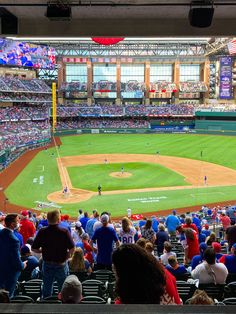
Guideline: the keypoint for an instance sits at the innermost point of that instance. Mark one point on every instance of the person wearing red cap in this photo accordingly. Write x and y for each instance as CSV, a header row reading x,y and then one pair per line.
x,y
217,248
206,231
64,222
27,228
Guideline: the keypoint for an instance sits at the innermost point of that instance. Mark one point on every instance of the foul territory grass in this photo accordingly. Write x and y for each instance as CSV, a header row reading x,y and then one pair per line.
x,y
221,150
142,175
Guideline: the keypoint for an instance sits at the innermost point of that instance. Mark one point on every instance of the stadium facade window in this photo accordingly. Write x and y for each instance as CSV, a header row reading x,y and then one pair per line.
x,y
161,72
76,72
132,72
189,72
104,72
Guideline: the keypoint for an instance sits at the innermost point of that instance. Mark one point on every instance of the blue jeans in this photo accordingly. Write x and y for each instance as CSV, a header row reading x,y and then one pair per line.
x,y
8,282
52,272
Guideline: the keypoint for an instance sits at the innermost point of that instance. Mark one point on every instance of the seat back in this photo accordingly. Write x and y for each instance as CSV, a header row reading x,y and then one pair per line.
x,y
229,301
182,277
230,290
213,291
231,278
81,275
111,291
186,290
93,287
22,299
103,275
32,288
52,299
92,300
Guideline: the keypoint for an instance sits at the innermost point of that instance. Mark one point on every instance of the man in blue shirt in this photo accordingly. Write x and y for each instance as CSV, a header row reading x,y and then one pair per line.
x,y
230,260
91,222
105,237
174,267
84,220
172,222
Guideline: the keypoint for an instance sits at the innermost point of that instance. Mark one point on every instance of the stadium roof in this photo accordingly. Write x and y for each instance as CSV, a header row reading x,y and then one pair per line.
x,y
121,18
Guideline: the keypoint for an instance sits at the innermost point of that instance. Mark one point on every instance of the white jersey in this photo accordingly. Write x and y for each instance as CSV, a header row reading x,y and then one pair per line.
x,y
129,212
127,237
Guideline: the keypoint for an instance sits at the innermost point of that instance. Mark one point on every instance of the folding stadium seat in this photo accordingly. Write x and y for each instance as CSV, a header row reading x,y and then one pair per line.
x,y
182,277
53,299
103,275
93,287
229,301
92,300
81,275
230,290
213,291
22,299
32,288
111,292
186,290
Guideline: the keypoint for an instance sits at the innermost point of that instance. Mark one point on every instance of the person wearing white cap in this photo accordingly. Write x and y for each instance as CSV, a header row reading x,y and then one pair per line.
x,y
104,237
78,232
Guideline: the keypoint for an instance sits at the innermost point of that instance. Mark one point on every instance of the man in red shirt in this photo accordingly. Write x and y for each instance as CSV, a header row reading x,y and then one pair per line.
x,y
225,220
27,228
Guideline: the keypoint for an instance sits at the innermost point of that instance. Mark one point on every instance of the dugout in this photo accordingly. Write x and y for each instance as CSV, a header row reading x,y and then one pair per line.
x,y
215,122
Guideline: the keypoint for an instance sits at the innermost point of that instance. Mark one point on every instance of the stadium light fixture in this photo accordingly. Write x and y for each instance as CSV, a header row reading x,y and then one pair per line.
x,y
201,13
59,10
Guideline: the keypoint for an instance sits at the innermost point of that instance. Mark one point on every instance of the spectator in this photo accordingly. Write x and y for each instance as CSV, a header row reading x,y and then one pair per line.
x,y
230,260
77,233
71,292
98,223
167,253
142,243
91,222
150,249
206,231
104,237
192,247
27,228
65,222
189,224
87,249
217,248
209,271
155,223
198,259
230,235
77,263
127,232
201,236
196,220
161,237
211,239
84,220
172,222
10,262
147,281
147,232
225,220
200,297
18,235
2,217
174,267
32,263
55,244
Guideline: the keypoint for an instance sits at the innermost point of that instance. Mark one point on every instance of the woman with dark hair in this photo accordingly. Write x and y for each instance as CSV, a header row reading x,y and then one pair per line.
x,y
141,279
147,232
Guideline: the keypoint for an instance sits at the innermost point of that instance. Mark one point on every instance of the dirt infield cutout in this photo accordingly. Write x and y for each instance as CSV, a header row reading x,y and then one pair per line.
x,y
194,172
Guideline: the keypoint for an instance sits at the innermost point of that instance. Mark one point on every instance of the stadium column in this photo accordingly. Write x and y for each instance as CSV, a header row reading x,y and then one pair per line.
x,y
61,77
176,74
54,106
90,81
147,82
205,77
118,81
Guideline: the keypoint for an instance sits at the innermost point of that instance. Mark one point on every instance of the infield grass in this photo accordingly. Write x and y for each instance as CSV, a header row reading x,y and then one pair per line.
x,y
26,189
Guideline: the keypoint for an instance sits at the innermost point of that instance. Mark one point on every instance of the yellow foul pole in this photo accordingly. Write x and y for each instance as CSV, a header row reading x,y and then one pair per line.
x,y
54,106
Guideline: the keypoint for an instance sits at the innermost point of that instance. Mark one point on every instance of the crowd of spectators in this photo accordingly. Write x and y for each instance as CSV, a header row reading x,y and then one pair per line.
x,y
24,97
100,123
16,84
192,87
164,86
74,86
104,85
147,255
17,113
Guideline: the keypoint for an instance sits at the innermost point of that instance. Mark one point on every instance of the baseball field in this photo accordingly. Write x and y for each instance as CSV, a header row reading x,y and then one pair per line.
x,y
147,173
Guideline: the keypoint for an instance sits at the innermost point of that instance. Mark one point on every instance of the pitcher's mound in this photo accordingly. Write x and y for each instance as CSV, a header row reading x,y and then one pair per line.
x,y
120,175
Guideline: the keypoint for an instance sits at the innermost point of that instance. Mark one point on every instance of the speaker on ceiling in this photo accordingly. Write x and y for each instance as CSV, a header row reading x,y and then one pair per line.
x,y
8,22
201,16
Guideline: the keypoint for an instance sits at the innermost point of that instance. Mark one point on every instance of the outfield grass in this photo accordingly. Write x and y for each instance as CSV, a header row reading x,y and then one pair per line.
x,y
216,149
143,175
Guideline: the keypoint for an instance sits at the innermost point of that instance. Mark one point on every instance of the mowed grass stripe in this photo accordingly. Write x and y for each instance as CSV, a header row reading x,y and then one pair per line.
x,y
144,175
